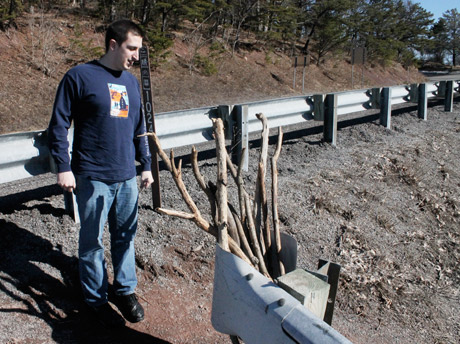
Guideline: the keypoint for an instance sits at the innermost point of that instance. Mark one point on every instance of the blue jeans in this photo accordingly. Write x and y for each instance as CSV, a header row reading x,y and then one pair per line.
x,y
98,202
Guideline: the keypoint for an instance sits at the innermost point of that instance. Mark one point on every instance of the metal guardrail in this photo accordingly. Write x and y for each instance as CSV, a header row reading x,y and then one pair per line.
x,y
400,94
183,128
356,101
432,89
328,108
26,154
23,155
279,112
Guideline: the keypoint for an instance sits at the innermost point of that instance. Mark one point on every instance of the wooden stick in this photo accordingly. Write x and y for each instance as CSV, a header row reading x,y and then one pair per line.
x,y
232,226
231,167
177,177
276,221
241,190
244,241
183,215
238,178
236,250
202,183
198,220
254,240
266,223
222,207
264,146
261,174
176,173
160,151
257,212
245,205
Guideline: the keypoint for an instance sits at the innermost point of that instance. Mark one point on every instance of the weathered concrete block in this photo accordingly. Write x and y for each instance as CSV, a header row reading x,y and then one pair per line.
x,y
310,290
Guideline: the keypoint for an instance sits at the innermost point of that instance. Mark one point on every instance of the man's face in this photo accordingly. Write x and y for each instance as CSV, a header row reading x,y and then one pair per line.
x,y
126,53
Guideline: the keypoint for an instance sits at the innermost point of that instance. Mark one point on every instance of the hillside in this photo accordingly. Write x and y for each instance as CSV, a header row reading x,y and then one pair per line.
x,y
35,56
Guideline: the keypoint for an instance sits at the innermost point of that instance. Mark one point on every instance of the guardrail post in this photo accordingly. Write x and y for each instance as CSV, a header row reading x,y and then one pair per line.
x,y
318,107
375,98
330,119
413,93
385,107
422,110
449,100
240,135
441,89
224,113
332,270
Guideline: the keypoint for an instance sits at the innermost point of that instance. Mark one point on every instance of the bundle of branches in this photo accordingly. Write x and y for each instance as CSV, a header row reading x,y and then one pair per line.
x,y
246,233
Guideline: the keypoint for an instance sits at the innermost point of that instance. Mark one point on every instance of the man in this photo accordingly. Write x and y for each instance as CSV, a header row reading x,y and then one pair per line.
x,y
103,100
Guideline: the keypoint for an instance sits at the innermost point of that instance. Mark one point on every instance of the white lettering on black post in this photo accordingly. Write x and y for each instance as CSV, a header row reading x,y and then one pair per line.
x,y
146,89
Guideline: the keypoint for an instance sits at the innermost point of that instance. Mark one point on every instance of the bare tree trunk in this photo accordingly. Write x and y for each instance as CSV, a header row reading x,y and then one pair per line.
x,y
145,12
113,11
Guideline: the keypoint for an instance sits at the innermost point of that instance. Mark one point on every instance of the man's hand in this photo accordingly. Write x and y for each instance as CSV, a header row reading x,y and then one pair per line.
x,y
66,180
146,179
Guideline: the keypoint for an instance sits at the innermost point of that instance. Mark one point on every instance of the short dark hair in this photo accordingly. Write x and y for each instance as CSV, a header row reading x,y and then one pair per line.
x,y
119,30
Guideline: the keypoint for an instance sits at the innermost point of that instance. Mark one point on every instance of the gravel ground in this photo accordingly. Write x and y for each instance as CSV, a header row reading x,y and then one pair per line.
x,y
384,204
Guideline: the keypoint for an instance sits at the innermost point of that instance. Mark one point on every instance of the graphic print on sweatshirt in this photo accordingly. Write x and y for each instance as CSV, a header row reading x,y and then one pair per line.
x,y
119,102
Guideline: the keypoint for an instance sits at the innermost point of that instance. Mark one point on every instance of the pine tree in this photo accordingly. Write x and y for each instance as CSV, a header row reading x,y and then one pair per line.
x,y
452,33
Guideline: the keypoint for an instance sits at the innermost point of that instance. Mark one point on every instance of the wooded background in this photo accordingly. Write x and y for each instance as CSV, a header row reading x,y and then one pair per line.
x,y
390,30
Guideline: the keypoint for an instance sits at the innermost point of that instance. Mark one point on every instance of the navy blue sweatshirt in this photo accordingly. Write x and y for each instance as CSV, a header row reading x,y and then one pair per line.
x,y
106,108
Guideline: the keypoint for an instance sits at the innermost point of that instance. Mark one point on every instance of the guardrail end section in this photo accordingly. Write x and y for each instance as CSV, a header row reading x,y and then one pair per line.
x,y
248,305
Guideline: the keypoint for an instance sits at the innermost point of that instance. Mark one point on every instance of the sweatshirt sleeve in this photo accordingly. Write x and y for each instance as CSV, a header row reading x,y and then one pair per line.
x,y
60,122
141,143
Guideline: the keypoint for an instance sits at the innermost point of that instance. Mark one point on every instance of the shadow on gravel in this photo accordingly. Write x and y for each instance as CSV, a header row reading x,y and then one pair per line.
x,y
15,201
41,281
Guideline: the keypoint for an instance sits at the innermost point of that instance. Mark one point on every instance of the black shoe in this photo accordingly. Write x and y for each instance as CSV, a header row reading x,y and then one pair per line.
x,y
107,316
129,307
